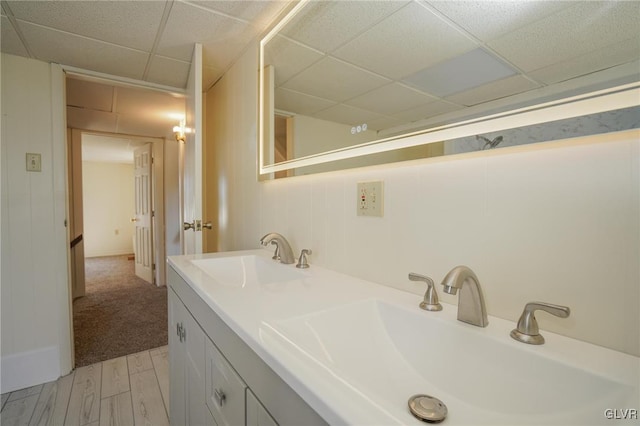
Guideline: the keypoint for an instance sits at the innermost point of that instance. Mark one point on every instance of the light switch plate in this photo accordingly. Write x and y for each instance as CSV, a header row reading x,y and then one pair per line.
x,y
370,199
34,162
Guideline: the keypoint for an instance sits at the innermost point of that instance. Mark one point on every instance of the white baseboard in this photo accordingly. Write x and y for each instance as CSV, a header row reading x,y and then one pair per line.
x,y
30,368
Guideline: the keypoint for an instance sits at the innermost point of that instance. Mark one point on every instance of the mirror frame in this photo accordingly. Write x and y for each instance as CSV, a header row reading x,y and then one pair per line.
x,y
622,96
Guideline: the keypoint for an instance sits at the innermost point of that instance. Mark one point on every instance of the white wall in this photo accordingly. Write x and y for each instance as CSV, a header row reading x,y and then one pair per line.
x,y
36,340
556,222
108,205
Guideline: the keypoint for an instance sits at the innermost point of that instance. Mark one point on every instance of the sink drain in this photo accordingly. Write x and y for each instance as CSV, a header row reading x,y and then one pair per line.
x,y
427,408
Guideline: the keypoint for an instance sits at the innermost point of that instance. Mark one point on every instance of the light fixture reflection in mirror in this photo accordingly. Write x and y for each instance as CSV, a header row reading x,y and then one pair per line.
x,y
426,72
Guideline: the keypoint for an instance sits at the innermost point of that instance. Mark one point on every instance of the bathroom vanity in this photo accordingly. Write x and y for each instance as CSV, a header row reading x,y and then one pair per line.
x,y
256,342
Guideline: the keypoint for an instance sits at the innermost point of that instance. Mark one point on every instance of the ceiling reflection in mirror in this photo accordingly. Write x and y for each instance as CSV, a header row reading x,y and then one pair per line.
x,y
347,73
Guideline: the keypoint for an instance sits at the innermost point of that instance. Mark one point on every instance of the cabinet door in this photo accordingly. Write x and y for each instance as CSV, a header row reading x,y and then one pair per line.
x,y
194,341
177,361
257,415
187,367
225,390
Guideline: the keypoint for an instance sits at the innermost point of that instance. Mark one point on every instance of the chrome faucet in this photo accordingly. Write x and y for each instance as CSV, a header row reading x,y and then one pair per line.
x,y
283,248
471,307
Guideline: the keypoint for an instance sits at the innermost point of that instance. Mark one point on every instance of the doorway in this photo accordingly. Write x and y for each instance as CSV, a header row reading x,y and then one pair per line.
x,y
117,232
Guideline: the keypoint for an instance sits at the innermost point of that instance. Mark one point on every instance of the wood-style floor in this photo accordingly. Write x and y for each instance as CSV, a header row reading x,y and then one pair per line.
x,y
130,390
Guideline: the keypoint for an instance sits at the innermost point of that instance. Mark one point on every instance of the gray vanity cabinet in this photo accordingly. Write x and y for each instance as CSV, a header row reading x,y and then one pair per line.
x,y
215,378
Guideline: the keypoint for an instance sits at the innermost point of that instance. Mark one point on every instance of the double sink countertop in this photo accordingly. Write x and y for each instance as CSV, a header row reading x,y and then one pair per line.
x,y
356,351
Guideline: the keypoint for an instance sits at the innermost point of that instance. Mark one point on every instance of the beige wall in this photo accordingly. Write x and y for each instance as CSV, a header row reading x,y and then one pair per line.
x,y
36,340
556,222
108,205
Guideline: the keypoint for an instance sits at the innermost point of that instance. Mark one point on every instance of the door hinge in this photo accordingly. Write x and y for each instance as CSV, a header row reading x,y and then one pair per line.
x,y
153,267
153,213
152,160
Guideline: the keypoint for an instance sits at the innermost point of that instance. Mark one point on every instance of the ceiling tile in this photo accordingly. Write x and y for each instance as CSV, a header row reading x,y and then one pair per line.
x,y
347,115
147,103
169,72
494,90
100,121
409,40
347,19
299,103
131,24
334,80
258,12
427,111
11,43
288,58
88,94
460,73
223,38
383,123
487,20
151,126
390,99
67,49
606,57
572,32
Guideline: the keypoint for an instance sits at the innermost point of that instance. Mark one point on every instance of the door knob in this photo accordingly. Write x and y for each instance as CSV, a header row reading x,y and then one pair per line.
x,y
134,219
207,225
186,226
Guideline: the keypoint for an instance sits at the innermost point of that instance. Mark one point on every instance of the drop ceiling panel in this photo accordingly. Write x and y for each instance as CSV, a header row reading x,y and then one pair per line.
x,y
487,20
81,52
426,111
347,115
463,72
572,32
79,118
416,37
391,99
383,123
606,57
334,80
348,18
288,58
90,95
222,38
259,12
169,72
149,126
494,90
11,43
132,101
288,100
131,24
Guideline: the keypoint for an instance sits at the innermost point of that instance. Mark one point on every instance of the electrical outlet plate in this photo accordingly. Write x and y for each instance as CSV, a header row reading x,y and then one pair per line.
x,y
370,199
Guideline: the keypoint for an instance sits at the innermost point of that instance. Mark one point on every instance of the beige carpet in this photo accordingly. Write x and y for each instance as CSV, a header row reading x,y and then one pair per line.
x,y
121,314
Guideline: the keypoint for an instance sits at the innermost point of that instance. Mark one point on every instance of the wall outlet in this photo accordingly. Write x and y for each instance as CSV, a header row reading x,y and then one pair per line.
x,y
370,201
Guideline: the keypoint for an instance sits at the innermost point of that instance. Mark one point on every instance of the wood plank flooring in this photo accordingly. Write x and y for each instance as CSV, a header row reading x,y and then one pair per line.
x,y
130,390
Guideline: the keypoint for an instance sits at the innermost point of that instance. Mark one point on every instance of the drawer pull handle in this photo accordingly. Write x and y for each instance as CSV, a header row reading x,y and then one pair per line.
x,y
220,396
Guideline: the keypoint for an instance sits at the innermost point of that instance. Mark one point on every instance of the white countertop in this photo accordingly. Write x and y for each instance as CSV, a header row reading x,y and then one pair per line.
x,y
252,309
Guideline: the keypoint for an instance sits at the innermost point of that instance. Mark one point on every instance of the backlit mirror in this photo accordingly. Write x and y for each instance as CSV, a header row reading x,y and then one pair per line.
x,y
352,83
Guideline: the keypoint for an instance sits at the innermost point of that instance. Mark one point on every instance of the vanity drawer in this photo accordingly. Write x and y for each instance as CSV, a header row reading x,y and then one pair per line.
x,y
225,390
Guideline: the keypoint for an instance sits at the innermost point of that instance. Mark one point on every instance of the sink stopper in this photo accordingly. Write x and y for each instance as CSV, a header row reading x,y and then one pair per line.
x,y
427,408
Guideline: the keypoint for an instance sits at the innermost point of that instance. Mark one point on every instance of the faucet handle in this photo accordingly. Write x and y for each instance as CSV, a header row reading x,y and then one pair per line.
x,y
527,330
302,261
430,302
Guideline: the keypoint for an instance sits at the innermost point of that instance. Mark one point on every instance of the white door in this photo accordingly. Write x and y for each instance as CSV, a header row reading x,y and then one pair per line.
x,y
142,163
192,166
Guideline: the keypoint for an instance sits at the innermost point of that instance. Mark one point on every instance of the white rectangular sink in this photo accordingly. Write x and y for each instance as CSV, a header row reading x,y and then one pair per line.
x,y
386,353
242,271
